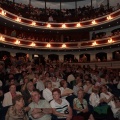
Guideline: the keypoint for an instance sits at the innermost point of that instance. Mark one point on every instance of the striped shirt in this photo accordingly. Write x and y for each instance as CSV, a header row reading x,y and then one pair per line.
x,y
61,108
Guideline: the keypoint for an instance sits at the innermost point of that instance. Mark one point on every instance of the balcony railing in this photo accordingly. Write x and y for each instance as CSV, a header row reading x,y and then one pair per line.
x,y
110,64
59,26
59,45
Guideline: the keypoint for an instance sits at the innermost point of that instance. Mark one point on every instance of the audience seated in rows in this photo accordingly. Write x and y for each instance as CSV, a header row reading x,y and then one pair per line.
x,y
95,88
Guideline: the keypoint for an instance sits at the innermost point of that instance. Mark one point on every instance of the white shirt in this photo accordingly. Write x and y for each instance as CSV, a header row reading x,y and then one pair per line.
x,y
7,101
90,89
118,86
55,85
111,103
40,85
70,78
1,83
47,94
63,90
75,89
94,99
60,107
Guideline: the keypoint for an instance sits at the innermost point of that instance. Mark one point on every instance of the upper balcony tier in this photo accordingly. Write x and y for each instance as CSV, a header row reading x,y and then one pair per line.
x,y
15,16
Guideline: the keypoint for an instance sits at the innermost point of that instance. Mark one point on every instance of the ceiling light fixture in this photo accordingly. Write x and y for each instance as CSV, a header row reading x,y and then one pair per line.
x,y
33,23
94,43
48,45
3,13
64,45
2,38
48,25
32,44
18,19
78,25
63,26
94,22
109,17
110,40
17,42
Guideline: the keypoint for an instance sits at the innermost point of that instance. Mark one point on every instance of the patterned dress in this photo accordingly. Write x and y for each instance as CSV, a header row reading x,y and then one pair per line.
x,y
13,114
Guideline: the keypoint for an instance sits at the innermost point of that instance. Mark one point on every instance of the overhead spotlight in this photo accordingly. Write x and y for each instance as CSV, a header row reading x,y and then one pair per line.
x,y
94,22
17,42
33,23
2,38
78,25
18,19
94,43
32,44
3,13
110,40
48,45
109,17
64,45
48,25
63,26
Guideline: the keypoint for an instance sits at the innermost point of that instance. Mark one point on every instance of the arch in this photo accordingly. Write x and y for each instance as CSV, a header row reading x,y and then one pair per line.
x,y
101,56
38,59
116,55
84,57
4,54
69,57
20,54
53,57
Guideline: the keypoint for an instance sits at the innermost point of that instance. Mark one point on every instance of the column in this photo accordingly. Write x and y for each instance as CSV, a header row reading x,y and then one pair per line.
x,y
60,5
13,54
13,1
29,5
77,56
76,6
109,56
29,56
29,2
61,58
108,4
46,57
45,6
91,4
92,57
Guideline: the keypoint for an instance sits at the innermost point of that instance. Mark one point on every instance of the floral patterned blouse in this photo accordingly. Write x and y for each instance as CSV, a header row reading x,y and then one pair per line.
x,y
79,104
13,114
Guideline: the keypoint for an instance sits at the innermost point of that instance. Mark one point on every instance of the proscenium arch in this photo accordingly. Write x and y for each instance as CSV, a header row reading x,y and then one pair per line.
x,y
116,55
4,53
69,57
102,56
38,59
20,54
53,57
83,59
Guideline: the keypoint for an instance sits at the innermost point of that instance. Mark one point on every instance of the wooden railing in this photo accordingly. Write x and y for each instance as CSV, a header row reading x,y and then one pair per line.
x,y
4,39
110,64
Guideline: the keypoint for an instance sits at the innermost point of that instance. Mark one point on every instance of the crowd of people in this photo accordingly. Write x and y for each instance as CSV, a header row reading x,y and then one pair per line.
x,y
52,37
102,35
56,15
59,91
